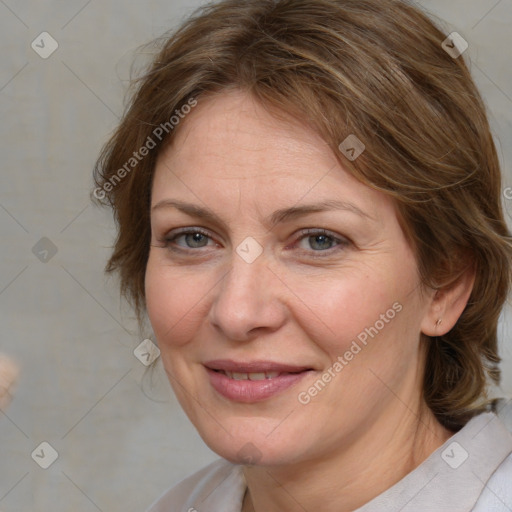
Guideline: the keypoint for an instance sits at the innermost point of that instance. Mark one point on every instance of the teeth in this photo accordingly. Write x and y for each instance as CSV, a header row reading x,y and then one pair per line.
x,y
256,376
252,376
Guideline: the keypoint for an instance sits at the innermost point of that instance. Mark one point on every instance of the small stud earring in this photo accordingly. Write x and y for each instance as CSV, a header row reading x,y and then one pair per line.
x,y
439,322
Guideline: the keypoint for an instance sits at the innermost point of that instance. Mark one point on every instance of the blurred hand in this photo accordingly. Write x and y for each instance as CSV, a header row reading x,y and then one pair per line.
x,y
8,373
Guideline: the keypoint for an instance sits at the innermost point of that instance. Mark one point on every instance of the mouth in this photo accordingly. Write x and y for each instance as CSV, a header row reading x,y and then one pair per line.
x,y
254,367
253,381
253,375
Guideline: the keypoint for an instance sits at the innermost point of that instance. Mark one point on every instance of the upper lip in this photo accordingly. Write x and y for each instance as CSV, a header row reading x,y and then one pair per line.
x,y
229,365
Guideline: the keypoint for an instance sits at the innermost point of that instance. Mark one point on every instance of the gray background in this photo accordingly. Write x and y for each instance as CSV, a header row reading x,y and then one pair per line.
x,y
119,432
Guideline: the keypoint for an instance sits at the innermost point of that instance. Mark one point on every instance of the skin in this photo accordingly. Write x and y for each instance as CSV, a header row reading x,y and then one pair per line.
x,y
8,374
302,302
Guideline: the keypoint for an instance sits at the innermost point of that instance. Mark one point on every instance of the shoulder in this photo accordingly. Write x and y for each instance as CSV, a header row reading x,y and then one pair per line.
x,y
218,486
497,494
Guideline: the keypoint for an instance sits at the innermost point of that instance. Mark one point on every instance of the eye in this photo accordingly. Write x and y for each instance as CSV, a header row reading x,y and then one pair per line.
x,y
320,240
189,238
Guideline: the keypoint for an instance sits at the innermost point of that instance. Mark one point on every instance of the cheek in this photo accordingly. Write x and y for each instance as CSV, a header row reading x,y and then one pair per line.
x,y
369,312
369,330
342,309
176,300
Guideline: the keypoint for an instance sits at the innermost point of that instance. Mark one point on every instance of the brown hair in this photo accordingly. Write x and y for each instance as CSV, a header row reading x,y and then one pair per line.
x,y
375,69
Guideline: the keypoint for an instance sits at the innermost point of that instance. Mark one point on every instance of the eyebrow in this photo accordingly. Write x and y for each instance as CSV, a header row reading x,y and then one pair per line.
x,y
282,215
287,214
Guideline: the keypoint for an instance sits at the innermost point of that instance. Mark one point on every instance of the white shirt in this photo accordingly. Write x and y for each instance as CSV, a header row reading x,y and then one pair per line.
x,y
472,471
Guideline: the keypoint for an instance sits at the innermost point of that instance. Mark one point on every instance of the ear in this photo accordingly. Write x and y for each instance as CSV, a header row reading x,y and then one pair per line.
x,y
447,303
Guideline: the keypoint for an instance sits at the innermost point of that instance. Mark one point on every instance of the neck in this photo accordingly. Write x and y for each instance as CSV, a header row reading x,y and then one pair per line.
x,y
346,479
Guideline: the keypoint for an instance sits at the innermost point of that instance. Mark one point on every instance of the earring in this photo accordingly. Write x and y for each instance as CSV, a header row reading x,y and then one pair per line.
x,y
439,322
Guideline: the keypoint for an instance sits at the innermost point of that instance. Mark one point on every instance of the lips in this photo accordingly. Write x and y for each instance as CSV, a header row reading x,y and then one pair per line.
x,y
228,365
253,381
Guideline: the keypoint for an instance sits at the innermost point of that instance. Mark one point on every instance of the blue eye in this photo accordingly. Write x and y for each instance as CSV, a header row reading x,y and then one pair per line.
x,y
320,241
190,239
314,242
195,240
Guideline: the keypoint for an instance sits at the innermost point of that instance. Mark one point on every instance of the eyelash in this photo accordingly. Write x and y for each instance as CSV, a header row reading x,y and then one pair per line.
x,y
341,242
169,240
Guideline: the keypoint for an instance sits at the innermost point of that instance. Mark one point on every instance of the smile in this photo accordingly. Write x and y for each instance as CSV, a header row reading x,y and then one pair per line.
x,y
248,386
250,376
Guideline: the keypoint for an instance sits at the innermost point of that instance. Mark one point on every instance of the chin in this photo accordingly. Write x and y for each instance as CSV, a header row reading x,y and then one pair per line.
x,y
248,442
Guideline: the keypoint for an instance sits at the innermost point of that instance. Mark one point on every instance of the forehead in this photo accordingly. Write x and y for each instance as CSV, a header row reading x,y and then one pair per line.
x,y
231,146
234,130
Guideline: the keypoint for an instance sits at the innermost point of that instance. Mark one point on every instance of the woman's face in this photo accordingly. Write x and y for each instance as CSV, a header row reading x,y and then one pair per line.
x,y
282,292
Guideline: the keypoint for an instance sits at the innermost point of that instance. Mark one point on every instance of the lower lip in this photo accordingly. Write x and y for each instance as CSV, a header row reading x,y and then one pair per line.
x,y
252,390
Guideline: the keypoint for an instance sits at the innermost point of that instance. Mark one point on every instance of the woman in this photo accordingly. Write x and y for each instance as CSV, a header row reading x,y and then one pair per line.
x,y
308,203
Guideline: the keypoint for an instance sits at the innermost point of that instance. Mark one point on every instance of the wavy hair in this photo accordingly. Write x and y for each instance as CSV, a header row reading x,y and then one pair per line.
x,y
376,69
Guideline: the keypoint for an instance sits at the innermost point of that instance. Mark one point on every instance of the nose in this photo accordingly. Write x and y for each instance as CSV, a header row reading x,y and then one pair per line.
x,y
248,301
